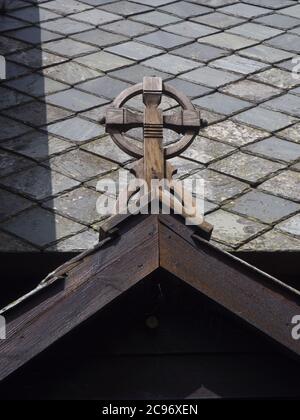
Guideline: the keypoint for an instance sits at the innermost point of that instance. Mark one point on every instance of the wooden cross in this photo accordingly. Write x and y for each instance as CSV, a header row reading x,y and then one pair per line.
x,y
152,163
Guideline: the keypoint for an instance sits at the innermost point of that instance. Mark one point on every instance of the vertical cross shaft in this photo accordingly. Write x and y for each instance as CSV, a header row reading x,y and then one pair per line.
x,y
154,166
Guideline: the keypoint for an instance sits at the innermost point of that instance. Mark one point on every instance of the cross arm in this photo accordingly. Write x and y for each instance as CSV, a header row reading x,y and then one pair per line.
x,y
183,120
125,120
122,118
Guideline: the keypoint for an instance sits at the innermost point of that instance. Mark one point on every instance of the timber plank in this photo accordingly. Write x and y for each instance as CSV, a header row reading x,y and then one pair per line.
x,y
258,299
89,287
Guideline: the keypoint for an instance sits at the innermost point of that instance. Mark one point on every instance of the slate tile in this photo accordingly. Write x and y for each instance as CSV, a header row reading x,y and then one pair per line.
x,y
132,30
289,104
210,77
14,70
37,113
79,205
275,148
9,45
223,104
275,4
204,206
184,167
200,52
255,31
66,7
171,63
246,167
228,41
41,227
155,3
295,91
97,2
36,85
232,229
10,163
105,86
12,204
75,100
190,89
34,35
71,73
95,114
120,177
291,133
76,243
218,3
38,183
244,10
219,187
37,145
209,207
276,77
135,73
296,167
69,48
164,39
81,165
238,64
33,14
126,8
190,29
286,184
134,50
10,128
263,207
291,11
17,4
290,226
156,18
36,59
211,117
204,150
104,61
233,133
184,9
96,17
65,26
219,20
265,119
278,21
272,241
295,31
265,54
106,148
7,23
289,42
99,38
288,65
75,129
251,91
11,98
9,243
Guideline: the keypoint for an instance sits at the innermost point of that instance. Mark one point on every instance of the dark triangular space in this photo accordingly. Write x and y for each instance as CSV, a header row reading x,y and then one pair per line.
x,y
196,350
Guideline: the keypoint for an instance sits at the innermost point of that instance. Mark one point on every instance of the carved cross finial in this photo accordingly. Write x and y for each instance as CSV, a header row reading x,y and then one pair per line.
x,y
152,163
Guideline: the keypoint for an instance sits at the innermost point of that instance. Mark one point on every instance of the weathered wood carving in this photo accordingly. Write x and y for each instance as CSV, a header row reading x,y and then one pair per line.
x,y
152,163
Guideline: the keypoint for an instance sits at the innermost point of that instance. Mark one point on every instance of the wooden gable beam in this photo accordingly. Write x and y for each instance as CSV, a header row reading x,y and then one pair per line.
x,y
94,279
91,283
257,298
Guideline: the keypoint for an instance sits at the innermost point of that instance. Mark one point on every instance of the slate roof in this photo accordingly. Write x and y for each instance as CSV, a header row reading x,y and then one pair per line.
x,y
66,61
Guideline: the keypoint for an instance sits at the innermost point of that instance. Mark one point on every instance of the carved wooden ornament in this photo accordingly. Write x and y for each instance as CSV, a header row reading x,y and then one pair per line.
x,y
152,163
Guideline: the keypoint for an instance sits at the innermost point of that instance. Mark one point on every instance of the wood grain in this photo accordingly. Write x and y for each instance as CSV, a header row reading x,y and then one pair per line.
x,y
89,287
